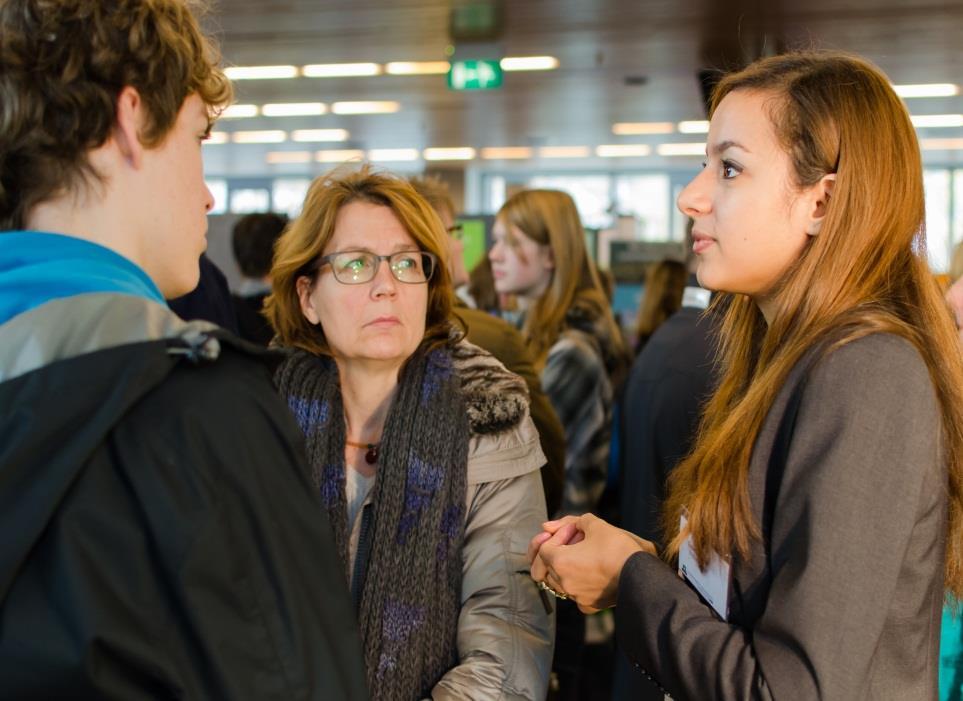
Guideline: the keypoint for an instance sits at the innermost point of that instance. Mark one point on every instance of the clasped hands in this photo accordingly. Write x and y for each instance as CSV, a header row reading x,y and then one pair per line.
x,y
582,558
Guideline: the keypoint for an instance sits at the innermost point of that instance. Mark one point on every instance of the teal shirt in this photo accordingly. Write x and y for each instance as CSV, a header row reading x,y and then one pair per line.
x,y
951,658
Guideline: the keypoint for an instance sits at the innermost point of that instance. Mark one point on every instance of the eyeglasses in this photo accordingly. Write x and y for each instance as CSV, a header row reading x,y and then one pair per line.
x,y
359,267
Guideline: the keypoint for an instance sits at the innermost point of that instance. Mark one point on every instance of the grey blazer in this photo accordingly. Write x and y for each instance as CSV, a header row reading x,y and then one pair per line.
x,y
845,600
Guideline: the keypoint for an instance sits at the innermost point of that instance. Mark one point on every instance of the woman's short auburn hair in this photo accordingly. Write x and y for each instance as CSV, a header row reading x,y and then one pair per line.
x,y
303,243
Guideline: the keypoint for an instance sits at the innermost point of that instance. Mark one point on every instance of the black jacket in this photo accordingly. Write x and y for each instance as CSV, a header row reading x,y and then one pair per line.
x,y
161,537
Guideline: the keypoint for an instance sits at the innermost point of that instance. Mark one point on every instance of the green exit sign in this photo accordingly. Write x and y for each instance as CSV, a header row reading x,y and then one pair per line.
x,y
475,75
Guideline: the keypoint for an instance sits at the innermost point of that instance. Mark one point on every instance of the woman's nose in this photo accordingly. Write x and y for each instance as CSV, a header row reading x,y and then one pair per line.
x,y
694,200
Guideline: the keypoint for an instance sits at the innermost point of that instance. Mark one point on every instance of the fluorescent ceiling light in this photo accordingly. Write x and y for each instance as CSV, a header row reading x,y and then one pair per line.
x,y
504,153
339,155
217,137
936,121
240,112
927,90
261,72
385,155
681,149
277,157
563,152
636,128
294,109
623,150
417,67
461,153
312,135
259,137
693,126
382,107
529,63
339,70
941,144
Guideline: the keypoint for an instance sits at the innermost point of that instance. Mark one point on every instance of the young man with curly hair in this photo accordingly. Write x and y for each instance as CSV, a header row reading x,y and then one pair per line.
x,y
161,535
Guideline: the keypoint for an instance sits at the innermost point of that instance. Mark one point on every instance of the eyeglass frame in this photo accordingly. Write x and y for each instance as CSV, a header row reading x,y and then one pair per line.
x,y
326,260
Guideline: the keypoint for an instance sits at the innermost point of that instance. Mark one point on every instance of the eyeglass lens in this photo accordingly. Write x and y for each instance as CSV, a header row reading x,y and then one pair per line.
x,y
356,267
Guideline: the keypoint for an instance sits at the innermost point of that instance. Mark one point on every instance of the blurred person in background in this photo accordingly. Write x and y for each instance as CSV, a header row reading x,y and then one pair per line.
x,y
421,446
502,340
664,285
252,240
539,256
210,300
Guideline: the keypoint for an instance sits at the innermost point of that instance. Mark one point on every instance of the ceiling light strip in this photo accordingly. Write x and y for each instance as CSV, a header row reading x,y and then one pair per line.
x,y
681,149
366,107
417,67
340,70
391,155
261,72
623,150
459,153
294,109
315,135
641,128
529,63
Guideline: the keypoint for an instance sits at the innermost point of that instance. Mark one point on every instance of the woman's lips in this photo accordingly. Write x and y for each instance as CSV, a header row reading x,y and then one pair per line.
x,y
384,321
701,242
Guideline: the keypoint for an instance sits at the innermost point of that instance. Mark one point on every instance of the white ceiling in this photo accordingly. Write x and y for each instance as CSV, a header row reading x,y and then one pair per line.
x,y
599,44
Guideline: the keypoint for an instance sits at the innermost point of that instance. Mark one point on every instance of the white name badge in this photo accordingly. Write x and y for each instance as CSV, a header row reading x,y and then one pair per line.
x,y
712,583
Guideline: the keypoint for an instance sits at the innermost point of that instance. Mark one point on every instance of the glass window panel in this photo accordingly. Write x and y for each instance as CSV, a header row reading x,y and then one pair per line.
x,y
496,194
646,197
246,200
936,186
592,195
288,195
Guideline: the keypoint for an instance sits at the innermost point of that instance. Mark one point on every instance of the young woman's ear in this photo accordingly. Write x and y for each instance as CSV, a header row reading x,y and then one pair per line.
x,y
823,192
304,284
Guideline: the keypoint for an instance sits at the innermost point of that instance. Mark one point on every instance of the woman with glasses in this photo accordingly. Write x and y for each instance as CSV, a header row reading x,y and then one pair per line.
x,y
422,448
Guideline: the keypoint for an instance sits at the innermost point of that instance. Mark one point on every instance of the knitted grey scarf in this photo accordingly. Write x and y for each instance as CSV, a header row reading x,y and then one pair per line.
x,y
411,597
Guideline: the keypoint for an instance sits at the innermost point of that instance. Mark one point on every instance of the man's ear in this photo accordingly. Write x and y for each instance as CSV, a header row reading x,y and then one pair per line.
x,y
304,284
823,192
126,134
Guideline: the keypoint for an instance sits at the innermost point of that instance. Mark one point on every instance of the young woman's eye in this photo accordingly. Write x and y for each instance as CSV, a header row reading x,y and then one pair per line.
x,y
729,170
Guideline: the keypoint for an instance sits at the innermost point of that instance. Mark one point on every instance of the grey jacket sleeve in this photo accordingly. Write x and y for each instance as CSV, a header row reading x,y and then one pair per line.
x,y
856,551
505,635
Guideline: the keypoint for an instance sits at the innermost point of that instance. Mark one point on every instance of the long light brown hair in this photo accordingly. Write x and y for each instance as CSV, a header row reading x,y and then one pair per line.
x,y
865,272
664,286
550,218
302,244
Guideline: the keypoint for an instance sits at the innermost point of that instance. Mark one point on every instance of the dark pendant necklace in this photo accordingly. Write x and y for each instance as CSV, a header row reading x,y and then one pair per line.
x,y
371,454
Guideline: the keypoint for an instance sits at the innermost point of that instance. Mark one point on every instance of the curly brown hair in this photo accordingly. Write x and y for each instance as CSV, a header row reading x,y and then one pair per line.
x,y
303,242
63,64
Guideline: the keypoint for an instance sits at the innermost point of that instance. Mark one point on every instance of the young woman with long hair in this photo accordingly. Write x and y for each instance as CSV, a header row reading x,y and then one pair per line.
x,y
539,256
819,514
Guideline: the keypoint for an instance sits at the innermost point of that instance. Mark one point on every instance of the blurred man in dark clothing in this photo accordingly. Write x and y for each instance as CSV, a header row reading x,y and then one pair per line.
x,y
669,381
253,240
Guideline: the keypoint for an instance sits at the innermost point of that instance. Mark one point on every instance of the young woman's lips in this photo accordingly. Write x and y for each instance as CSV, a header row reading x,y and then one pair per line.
x,y
701,242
